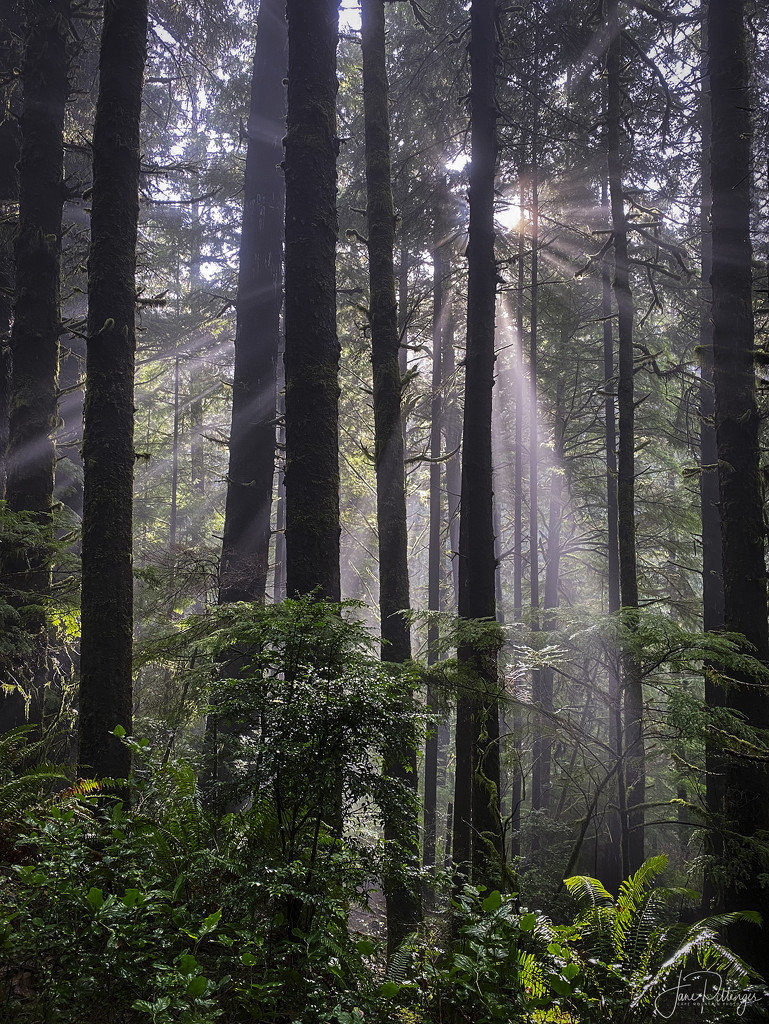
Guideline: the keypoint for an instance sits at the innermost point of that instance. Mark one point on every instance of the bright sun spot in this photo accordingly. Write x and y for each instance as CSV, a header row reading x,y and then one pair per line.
x,y
508,213
349,16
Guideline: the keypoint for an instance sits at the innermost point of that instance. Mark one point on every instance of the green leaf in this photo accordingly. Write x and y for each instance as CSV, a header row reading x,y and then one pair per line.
x,y
492,902
248,959
118,731
95,897
559,986
197,987
210,923
187,964
555,949
132,898
527,922
390,989
570,971
365,947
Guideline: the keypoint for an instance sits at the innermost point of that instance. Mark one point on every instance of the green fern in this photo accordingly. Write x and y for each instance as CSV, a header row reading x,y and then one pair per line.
x,y
630,932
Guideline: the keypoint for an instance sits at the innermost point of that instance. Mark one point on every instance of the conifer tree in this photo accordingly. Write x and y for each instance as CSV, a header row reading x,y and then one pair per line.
x,y
108,446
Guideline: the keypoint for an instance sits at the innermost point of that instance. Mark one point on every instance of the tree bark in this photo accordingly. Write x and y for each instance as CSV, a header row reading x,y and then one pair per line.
x,y
108,450
616,820
312,349
403,908
746,795
34,342
635,766
246,541
712,562
435,551
477,828
10,143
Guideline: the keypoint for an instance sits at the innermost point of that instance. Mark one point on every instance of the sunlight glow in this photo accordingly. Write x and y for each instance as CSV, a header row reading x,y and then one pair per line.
x,y
349,16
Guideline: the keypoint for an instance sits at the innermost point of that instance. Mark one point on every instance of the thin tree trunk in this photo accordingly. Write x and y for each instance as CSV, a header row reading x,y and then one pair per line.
x,y
737,420
108,449
617,821
247,528
312,349
552,577
435,553
279,579
173,524
452,434
537,791
403,907
635,762
477,828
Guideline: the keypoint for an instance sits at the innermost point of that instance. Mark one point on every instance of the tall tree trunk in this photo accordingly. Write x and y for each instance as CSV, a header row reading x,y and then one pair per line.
x,y
246,541
617,823
34,346
552,578
635,762
537,784
435,552
403,908
517,718
108,449
737,420
312,348
9,193
279,579
452,435
477,830
173,518
712,562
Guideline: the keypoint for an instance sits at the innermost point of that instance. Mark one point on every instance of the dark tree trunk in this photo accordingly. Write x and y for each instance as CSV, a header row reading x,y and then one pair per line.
x,y
34,343
616,820
435,553
279,579
712,563
108,449
312,349
477,828
246,542
746,794
635,767
9,193
403,908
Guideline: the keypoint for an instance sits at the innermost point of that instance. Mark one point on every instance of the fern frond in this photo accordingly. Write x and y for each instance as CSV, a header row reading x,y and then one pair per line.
x,y
589,890
632,898
530,975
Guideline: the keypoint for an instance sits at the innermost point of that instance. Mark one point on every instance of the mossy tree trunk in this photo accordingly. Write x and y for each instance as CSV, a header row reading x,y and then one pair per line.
x,y
633,745
246,544
34,342
737,420
108,449
312,349
477,828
